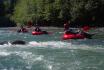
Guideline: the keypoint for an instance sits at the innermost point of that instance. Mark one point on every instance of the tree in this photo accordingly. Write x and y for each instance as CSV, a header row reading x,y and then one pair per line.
x,y
55,10
21,13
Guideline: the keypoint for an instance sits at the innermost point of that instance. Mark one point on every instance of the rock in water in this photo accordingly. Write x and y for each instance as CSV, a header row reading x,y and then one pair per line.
x,y
18,42
4,42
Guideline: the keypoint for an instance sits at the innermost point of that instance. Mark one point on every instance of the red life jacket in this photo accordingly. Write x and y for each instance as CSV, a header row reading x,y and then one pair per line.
x,y
66,26
86,28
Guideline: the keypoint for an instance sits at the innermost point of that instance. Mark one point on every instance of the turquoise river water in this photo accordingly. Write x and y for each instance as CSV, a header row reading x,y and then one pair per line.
x,y
50,52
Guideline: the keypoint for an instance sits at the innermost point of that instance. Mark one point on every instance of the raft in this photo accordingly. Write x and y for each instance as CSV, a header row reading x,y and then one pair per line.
x,y
39,33
73,36
76,34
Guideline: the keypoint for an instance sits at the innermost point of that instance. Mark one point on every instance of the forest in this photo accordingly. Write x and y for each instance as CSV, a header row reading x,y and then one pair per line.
x,y
52,12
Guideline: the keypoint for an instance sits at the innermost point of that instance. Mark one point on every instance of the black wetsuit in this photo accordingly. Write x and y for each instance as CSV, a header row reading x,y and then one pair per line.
x,y
37,29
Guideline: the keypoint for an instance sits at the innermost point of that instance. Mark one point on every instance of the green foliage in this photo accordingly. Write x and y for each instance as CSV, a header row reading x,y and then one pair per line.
x,y
52,10
76,8
21,12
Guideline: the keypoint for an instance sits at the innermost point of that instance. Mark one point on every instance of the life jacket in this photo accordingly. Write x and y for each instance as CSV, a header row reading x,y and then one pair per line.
x,y
86,28
66,26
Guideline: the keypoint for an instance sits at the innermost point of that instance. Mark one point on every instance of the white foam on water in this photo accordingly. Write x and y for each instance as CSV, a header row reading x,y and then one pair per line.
x,y
57,44
29,57
6,45
4,69
50,67
86,47
61,32
54,44
34,43
67,45
32,59
4,53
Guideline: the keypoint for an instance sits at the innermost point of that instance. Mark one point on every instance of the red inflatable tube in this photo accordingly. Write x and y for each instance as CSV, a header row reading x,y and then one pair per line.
x,y
73,36
39,33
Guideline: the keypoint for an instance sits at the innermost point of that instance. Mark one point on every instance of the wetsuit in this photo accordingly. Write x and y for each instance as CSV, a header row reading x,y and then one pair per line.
x,y
37,29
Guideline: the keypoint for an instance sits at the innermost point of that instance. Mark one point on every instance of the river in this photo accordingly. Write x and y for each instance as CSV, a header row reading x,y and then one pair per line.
x,y
50,52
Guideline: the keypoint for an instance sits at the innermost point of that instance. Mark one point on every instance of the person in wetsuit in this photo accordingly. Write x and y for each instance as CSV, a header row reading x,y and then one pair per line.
x,y
22,29
69,31
37,29
66,25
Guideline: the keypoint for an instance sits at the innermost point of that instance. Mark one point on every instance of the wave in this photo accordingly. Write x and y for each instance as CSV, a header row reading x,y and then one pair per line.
x,y
50,44
28,59
55,44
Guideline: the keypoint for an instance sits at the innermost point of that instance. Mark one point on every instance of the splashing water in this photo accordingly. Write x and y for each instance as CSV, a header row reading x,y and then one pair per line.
x,y
49,52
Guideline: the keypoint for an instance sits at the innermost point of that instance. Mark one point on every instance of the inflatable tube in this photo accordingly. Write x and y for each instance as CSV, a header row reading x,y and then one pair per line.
x,y
39,33
73,36
77,36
